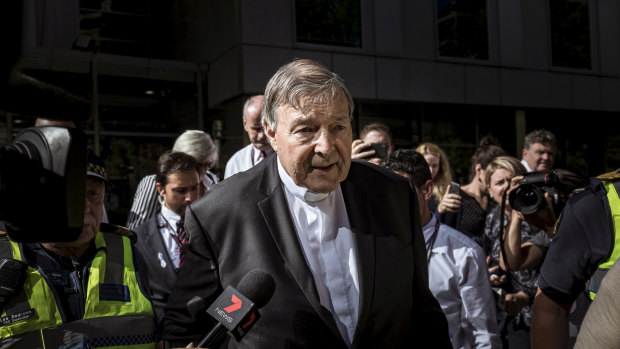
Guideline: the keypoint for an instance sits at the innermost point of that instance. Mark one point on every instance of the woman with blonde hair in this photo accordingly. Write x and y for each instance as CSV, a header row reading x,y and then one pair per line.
x,y
440,170
519,286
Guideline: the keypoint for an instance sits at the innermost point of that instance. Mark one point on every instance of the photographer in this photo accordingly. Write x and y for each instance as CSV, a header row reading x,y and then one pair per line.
x,y
531,200
584,247
516,288
373,134
89,292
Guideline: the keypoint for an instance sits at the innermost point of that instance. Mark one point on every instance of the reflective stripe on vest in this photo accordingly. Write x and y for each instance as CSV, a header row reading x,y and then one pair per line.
x,y
614,205
116,312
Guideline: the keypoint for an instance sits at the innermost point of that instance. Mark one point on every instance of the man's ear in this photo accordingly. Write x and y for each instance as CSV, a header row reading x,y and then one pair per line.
x,y
161,190
523,153
272,136
427,189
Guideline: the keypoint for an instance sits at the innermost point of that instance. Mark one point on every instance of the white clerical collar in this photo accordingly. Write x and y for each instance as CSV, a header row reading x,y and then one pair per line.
x,y
299,192
170,216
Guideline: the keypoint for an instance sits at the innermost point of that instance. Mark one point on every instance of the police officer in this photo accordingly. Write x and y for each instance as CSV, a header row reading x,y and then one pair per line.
x,y
82,294
585,246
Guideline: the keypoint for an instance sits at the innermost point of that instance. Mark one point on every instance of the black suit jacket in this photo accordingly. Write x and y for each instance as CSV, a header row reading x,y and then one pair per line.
x,y
245,223
161,272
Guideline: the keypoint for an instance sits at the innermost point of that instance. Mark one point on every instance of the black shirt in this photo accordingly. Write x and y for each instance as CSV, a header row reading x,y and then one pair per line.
x,y
584,239
470,219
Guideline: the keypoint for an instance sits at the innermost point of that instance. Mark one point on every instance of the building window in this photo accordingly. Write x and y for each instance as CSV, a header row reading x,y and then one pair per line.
x,y
141,28
462,29
329,22
570,34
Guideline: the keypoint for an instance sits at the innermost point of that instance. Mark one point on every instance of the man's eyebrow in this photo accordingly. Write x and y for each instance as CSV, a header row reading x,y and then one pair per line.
x,y
300,121
305,119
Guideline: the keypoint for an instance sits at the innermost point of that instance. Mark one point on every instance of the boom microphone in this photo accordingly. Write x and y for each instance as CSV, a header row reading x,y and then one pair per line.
x,y
236,310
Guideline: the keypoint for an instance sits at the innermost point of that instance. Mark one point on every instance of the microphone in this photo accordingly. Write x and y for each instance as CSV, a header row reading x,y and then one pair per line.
x,y
236,310
196,306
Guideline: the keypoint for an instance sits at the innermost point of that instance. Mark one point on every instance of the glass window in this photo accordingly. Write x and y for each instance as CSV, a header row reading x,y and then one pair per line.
x,y
139,28
570,34
329,22
462,29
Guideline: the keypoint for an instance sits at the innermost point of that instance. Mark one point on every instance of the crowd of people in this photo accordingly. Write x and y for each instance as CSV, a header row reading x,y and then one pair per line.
x,y
368,245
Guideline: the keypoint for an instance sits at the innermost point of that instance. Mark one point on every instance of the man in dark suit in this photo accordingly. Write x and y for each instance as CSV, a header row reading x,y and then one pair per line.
x,y
162,238
342,240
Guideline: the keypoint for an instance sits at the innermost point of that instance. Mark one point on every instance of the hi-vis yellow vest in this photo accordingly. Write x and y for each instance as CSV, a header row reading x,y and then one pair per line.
x,y
116,313
613,199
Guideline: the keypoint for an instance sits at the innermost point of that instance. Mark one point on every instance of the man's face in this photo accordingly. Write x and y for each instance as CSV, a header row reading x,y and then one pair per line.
x,y
93,209
252,124
180,191
314,146
375,136
539,157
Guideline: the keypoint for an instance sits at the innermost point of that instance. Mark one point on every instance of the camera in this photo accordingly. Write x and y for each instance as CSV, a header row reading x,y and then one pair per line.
x,y
529,196
42,184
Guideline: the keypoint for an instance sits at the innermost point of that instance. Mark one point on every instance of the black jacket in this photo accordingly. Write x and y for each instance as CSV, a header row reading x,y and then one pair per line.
x,y
244,223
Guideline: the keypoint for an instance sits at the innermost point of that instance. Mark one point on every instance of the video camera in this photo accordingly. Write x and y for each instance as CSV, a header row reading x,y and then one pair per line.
x,y
529,196
42,184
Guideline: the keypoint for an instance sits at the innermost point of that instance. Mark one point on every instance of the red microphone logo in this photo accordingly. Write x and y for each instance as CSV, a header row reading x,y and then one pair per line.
x,y
235,306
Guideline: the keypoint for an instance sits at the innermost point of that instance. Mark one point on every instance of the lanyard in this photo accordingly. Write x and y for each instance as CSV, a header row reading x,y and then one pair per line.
x,y
431,243
163,223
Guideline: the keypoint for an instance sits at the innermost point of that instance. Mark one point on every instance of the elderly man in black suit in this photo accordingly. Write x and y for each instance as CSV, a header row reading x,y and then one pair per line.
x,y
341,239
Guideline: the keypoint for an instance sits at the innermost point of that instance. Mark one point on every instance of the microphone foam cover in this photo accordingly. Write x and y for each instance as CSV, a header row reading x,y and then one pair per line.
x,y
258,286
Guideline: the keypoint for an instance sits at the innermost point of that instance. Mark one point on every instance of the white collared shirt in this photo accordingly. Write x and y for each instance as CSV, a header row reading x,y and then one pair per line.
x,y
527,167
243,160
459,280
326,238
167,229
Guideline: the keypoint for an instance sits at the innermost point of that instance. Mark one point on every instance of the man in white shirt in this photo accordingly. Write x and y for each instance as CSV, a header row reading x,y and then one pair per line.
x,y
329,230
458,275
259,147
162,238
539,150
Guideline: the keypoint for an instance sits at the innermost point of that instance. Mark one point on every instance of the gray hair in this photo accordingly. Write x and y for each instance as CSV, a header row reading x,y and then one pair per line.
x,y
248,103
197,144
299,82
541,136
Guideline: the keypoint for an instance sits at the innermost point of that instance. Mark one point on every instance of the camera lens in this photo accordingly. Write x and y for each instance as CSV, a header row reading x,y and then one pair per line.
x,y
527,198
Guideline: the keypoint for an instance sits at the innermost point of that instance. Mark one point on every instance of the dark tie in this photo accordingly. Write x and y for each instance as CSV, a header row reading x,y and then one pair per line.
x,y
262,156
181,240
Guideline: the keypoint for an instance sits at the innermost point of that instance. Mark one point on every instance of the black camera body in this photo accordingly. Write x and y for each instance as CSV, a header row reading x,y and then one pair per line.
x,y
42,184
529,196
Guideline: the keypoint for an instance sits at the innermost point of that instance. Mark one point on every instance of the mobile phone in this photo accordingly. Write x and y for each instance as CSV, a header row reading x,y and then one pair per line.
x,y
380,150
454,188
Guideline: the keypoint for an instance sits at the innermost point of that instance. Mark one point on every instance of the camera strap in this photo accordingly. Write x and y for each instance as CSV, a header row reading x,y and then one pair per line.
x,y
502,228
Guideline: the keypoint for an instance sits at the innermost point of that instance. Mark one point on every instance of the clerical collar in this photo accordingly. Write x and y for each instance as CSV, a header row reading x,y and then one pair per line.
x,y
300,192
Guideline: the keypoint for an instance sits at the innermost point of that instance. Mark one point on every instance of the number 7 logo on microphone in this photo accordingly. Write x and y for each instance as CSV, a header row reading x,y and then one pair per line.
x,y
237,303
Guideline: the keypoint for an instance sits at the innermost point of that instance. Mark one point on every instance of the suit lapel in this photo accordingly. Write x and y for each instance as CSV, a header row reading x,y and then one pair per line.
x,y
359,212
155,241
277,216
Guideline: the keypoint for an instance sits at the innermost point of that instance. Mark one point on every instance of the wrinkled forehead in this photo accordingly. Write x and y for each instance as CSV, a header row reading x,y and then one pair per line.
x,y
320,103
